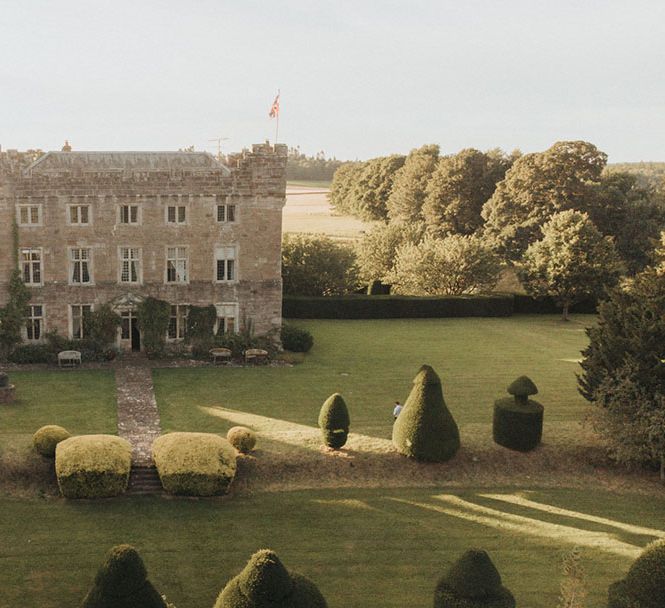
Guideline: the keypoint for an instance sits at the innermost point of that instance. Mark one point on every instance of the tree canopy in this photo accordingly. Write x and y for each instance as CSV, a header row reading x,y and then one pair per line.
x,y
571,261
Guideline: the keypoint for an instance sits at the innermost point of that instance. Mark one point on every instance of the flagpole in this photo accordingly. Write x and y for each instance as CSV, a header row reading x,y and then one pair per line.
x,y
277,117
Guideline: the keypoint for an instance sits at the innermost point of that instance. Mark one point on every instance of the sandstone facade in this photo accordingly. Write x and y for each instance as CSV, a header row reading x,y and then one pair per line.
x,y
96,227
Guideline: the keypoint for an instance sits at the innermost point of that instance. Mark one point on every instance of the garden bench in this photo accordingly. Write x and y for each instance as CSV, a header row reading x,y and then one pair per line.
x,y
220,354
256,355
69,358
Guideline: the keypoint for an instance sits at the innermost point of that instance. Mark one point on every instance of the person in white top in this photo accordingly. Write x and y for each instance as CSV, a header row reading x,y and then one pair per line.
x,y
397,409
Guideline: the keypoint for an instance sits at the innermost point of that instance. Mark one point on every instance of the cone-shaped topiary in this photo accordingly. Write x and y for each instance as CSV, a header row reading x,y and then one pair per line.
x,y
644,585
425,429
334,421
48,437
265,582
518,421
122,582
472,582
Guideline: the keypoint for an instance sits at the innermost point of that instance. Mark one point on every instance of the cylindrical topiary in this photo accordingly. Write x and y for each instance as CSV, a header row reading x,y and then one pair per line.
x,y
425,429
518,421
334,421
472,582
242,439
4,380
48,437
122,582
644,585
264,582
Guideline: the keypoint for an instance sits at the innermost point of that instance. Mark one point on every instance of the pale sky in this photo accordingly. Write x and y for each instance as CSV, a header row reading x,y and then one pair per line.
x,y
357,79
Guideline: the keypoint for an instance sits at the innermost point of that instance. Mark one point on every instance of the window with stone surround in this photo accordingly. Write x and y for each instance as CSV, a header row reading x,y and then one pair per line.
x,y
79,315
30,260
226,213
227,318
78,215
80,267
29,215
130,265
176,214
176,265
34,323
128,214
225,264
178,321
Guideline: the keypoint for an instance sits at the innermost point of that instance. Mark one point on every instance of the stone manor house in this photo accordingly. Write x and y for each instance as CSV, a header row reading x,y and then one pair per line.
x,y
97,227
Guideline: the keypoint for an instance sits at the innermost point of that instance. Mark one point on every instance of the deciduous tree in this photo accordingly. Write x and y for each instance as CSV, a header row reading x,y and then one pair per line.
x,y
453,265
537,186
410,184
459,187
571,261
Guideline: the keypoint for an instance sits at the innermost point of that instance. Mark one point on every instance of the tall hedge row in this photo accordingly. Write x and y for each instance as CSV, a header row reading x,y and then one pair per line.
x,y
395,307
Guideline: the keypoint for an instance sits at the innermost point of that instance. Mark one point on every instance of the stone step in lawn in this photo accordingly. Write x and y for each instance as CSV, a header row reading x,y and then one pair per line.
x,y
144,480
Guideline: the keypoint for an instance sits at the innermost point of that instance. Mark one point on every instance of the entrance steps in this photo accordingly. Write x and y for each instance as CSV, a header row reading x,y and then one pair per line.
x,y
144,480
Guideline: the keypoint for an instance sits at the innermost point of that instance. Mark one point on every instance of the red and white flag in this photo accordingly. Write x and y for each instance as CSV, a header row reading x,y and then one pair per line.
x,y
274,108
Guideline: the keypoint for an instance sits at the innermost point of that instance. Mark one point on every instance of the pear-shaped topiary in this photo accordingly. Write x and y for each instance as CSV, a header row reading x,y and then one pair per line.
x,y
644,585
472,582
425,428
48,437
122,582
334,421
518,421
265,582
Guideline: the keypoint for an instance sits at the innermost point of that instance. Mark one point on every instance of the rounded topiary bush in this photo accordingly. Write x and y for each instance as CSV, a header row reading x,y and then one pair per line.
x,y
296,339
242,439
334,421
266,582
48,437
472,582
518,421
644,585
122,582
194,464
93,466
425,428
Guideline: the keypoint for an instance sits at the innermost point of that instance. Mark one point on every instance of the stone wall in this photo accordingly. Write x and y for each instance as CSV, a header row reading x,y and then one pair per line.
x,y
253,181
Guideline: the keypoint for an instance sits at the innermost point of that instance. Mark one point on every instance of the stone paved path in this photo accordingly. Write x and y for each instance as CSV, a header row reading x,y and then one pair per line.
x,y
138,416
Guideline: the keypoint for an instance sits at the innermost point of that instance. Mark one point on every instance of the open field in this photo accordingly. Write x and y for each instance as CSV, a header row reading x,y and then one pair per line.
x,y
308,211
358,545
372,363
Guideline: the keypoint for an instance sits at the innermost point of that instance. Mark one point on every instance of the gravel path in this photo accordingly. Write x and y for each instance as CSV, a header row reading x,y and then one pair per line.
x,y
138,416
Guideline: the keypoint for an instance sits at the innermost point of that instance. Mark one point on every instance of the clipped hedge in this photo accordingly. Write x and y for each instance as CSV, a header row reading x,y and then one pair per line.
x,y
93,466
48,437
528,305
242,438
425,429
395,307
518,421
194,464
264,582
644,585
122,582
472,582
334,421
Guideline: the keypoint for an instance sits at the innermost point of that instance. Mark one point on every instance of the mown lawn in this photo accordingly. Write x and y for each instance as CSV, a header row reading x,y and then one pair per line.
x,y
360,546
372,363
81,401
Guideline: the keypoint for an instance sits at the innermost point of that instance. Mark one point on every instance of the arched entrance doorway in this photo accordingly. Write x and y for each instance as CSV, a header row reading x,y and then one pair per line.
x,y
129,334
